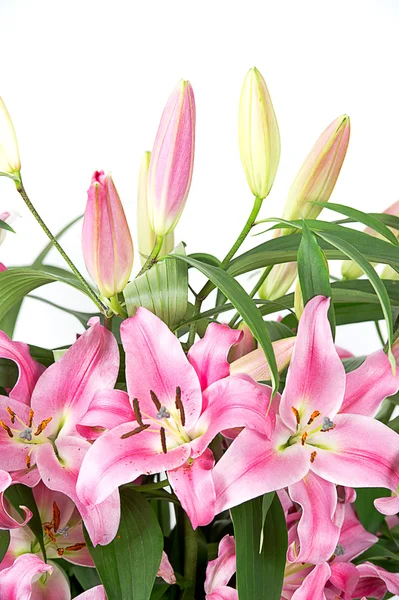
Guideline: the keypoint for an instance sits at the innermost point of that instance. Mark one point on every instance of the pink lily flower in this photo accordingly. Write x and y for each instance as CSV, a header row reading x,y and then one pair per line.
x,y
29,578
324,435
221,570
62,528
179,405
38,436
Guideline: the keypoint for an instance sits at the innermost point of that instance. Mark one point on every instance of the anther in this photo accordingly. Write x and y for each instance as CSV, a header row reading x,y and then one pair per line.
x,y
163,440
313,416
75,547
56,517
313,456
327,424
155,400
134,431
60,551
12,414
180,407
163,413
28,463
137,413
296,413
43,425
26,434
303,438
50,534
6,428
31,413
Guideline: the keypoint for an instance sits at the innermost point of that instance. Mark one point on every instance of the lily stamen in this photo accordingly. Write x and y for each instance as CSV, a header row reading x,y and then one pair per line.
x,y
155,400
180,407
42,425
313,416
7,429
12,414
135,431
163,440
137,413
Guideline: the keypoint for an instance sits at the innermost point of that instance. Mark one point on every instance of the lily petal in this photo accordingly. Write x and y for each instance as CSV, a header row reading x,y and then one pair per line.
x,y
155,361
221,570
16,581
108,409
96,593
193,485
388,505
166,570
316,377
29,369
223,593
368,385
345,577
313,585
369,572
6,520
318,534
209,355
55,586
354,538
13,453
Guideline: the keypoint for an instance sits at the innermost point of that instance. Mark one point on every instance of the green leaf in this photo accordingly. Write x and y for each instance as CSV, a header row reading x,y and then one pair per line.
x,y
313,272
16,283
369,517
4,225
361,217
159,590
163,290
8,322
266,502
243,304
260,575
20,495
87,577
374,279
128,565
4,542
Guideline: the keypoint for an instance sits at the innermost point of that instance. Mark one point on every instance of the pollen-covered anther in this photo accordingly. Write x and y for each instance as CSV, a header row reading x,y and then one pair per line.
x,y
31,415
296,413
76,547
163,440
28,461
137,412
303,438
313,416
56,517
60,551
7,429
12,414
134,431
155,400
42,426
47,530
313,456
180,407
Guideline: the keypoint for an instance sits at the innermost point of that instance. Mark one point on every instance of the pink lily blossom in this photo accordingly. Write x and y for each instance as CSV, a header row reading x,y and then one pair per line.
x,y
7,521
29,578
324,435
38,436
220,571
178,405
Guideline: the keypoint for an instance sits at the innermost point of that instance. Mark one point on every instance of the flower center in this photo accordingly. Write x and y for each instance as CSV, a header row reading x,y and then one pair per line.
x,y
54,532
306,431
26,433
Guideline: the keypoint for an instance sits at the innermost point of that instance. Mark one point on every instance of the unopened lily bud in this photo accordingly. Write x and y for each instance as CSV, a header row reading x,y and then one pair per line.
x,y
318,175
256,365
298,300
279,281
145,235
7,217
172,159
10,163
106,240
245,345
258,134
351,270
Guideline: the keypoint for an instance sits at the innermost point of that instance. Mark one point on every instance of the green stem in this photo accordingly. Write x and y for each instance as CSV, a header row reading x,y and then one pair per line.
x,y
190,559
379,332
153,256
252,293
209,286
108,323
117,307
89,290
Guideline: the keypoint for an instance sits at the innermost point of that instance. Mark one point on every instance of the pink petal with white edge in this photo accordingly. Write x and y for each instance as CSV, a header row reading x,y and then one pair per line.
x,y
67,387
358,450
368,385
354,538
255,363
254,465
108,409
112,461
155,361
55,586
387,506
6,520
223,593
28,477
316,377
317,532
16,581
313,585
221,570
29,369
345,577
236,401
96,593
209,355
166,570
193,485
374,580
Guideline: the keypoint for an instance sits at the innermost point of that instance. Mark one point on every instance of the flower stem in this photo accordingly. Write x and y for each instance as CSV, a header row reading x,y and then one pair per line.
x,y
90,292
190,559
153,256
209,286
117,307
252,293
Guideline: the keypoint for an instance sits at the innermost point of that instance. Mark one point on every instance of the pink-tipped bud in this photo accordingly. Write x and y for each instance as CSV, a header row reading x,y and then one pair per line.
x,y
256,365
106,240
245,345
317,177
172,158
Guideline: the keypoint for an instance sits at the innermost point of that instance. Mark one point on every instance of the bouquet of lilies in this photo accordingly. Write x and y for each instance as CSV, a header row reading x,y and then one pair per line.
x,y
205,442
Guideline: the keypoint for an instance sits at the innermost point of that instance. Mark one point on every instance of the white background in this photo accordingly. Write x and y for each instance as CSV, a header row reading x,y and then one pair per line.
x,y
86,82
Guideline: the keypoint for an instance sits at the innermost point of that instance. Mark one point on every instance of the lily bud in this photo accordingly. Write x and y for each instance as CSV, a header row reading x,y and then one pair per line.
x,y
351,270
317,177
106,240
245,345
256,365
145,235
172,159
298,300
10,163
258,134
279,281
